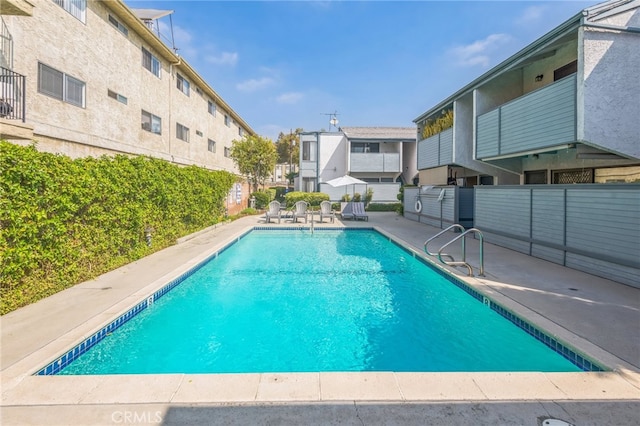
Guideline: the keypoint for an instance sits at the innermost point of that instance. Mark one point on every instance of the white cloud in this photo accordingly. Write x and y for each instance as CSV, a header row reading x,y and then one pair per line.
x,y
255,84
478,52
289,98
224,58
530,15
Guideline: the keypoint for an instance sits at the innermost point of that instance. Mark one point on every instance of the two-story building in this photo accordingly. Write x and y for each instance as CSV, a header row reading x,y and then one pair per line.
x,y
100,80
383,157
548,143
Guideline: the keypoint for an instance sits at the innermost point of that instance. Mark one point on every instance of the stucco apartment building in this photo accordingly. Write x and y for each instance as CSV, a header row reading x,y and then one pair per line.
x,y
87,78
383,157
544,149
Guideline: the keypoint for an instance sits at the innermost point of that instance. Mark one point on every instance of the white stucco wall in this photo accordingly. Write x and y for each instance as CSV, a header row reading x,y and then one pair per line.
x,y
610,94
98,54
333,157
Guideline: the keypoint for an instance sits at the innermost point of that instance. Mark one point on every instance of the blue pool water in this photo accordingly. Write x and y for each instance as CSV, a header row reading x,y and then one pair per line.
x,y
290,301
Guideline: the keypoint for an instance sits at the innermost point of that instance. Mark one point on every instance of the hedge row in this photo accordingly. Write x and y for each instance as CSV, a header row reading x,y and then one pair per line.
x,y
64,221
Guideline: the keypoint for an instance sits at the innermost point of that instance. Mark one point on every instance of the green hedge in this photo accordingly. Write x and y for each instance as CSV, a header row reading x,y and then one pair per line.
x,y
65,221
263,197
313,198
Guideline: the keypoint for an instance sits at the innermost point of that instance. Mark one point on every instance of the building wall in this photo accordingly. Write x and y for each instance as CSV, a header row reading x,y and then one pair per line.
x,y
104,58
563,55
610,93
333,156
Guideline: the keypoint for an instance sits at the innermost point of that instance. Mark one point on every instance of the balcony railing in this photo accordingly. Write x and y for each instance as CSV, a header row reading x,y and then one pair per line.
x,y
436,150
541,119
12,95
372,162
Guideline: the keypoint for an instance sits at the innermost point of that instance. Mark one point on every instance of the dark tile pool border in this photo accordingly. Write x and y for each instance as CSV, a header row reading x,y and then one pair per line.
x,y
580,360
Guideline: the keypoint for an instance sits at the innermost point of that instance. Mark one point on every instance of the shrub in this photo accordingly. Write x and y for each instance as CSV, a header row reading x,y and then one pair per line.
x,y
313,198
280,193
263,198
368,196
66,221
346,198
357,197
383,207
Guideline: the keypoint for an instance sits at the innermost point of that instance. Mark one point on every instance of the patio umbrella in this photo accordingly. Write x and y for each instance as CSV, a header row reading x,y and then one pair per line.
x,y
345,181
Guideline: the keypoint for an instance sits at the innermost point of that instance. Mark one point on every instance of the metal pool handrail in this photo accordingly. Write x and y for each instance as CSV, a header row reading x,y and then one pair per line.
x,y
426,243
463,262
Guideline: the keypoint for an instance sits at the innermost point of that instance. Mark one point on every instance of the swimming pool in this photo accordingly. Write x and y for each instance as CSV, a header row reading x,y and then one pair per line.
x,y
358,302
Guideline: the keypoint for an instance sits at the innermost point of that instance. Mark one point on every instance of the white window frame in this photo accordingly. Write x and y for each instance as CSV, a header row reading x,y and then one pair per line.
x,y
227,151
182,84
76,8
68,89
152,63
155,123
211,107
227,120
211,145
182,132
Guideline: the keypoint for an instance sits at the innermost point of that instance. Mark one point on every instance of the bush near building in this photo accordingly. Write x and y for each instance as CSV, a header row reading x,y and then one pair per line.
x,y
64,221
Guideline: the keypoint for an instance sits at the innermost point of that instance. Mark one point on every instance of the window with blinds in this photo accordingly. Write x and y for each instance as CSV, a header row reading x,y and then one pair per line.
x,y
59,85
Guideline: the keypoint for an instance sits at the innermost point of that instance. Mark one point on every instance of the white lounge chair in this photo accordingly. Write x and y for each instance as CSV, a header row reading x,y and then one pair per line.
x,y
300,211
273,211
358,211
326,211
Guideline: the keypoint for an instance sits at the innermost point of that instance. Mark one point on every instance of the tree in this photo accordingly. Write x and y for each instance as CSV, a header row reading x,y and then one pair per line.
x,y
255,157
288,146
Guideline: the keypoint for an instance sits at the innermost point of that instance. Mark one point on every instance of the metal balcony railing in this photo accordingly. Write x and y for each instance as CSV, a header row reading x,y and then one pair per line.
x,y
12,95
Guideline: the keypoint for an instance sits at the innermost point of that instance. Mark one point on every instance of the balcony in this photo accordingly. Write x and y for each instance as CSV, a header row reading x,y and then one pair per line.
x,y
436,150
12,95
545,118
375,162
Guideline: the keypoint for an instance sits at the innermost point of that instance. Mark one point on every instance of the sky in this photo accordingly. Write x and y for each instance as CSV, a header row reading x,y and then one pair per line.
x,y
283,65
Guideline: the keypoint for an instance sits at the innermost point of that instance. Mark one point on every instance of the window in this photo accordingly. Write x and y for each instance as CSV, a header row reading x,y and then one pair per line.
x,y
240,132
535,177
309,150
151,123
227,121
77,8
182,132
118,97
227,151
387,180
199,91
198,132
565,71
211,107
211,145
183,85
361,147
118,25
59,85
563,177
150,62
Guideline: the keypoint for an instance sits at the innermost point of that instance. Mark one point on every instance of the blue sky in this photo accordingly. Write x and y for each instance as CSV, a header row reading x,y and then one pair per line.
x,y
284,64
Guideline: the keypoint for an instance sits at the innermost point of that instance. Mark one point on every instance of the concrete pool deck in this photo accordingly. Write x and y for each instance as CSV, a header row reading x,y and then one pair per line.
x,y
595,316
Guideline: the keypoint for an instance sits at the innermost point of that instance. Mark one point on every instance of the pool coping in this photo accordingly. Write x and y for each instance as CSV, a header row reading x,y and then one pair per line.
x,y
20,387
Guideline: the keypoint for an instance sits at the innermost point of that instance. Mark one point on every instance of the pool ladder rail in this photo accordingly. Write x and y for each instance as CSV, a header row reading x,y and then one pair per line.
x,y
451,260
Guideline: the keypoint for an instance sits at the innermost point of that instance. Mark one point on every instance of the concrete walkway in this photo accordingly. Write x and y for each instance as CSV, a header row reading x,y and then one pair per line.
x,y
596,316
